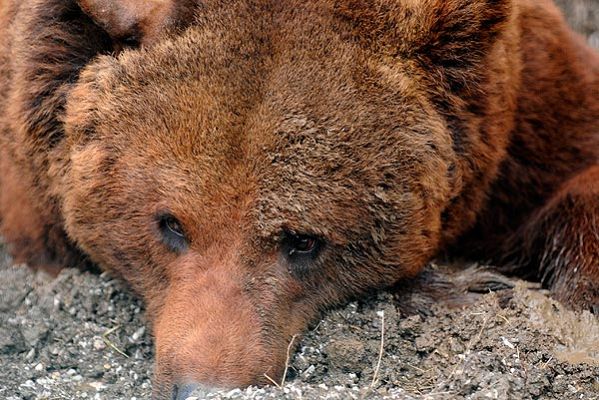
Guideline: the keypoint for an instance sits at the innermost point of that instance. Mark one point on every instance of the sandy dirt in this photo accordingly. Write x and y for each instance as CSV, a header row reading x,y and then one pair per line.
x,y
583,15
82,335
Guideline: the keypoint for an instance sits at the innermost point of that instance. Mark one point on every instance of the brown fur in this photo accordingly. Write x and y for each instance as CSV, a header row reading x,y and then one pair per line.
x,y
395,131
132,22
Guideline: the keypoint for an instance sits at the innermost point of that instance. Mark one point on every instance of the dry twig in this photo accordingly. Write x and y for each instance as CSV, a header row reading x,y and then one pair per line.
x,y
110,344
375,377
280,385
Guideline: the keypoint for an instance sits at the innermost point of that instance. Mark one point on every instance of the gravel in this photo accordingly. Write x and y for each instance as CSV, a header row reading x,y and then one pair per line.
x,y
583,15
82,335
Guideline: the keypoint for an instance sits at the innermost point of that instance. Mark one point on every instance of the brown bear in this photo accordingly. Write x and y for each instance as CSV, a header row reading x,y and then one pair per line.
x,y
247,164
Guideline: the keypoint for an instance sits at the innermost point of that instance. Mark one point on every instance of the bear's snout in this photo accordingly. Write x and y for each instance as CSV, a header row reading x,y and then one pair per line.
x,y
183,391
213,332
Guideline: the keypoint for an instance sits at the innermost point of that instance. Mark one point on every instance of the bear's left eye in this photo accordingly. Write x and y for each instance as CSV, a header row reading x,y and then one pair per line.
x,y
172,233
301,244
300,249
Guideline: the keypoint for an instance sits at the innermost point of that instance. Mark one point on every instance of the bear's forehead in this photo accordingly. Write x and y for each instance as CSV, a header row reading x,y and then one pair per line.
x,y
294,116
247,94
272,61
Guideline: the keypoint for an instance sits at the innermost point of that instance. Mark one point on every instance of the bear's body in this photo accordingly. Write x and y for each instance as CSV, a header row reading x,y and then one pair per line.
x,y
279,157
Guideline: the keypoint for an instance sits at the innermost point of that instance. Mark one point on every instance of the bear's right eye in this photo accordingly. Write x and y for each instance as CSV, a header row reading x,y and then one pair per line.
x,y
300,250
172,233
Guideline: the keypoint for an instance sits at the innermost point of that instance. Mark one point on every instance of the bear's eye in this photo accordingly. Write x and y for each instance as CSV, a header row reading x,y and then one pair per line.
x,y
172,233
300,248
302,244
131,41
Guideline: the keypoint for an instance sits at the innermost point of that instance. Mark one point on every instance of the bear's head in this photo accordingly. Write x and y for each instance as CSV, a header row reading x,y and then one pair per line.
x,y
275,159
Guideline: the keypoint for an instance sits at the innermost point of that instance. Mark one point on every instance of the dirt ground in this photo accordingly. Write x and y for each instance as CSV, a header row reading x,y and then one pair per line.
x,y
82,335
583,15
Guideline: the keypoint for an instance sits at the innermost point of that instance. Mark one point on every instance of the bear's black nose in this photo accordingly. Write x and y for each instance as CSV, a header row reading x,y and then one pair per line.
x,y
183,391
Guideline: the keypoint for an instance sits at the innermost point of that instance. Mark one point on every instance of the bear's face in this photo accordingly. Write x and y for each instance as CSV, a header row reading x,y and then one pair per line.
x,y
249,174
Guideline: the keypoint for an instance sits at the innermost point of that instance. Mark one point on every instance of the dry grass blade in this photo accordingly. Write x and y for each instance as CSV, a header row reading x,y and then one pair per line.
x,y
375,377
272,381
287,359
289,346
110,344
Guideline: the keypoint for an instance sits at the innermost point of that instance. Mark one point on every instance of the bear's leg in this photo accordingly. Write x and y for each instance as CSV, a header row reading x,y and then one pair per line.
x,y
562,240
451,286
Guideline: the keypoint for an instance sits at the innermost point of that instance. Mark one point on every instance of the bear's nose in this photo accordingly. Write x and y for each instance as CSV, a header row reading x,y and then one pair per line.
x,y
183,391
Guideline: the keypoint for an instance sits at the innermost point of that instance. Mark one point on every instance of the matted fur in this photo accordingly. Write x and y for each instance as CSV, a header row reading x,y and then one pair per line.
x,y
396,131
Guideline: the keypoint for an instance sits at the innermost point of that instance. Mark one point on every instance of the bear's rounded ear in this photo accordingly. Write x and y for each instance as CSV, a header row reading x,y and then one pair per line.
x,y
133,22
447,33
96,82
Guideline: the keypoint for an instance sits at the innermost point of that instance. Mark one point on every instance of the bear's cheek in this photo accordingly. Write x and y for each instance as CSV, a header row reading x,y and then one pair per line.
x,y
111,222
85,188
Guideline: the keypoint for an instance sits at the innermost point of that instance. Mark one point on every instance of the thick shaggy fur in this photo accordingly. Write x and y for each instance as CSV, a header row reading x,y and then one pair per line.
x,y
395,131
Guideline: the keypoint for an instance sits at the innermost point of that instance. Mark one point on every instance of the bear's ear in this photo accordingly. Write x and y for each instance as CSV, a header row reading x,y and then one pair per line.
x,y
85,98
133,22
448,33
